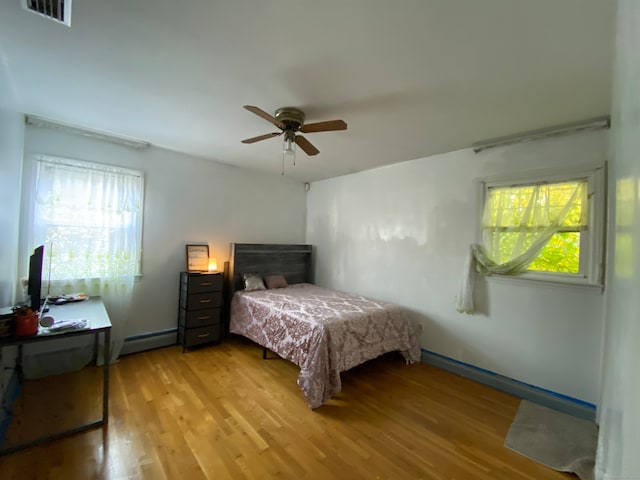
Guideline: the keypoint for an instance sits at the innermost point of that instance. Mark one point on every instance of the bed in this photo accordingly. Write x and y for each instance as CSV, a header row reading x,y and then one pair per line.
x,y
322,331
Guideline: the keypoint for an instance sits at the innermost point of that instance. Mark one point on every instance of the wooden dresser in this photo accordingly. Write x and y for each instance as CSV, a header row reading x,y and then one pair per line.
x,y
199,316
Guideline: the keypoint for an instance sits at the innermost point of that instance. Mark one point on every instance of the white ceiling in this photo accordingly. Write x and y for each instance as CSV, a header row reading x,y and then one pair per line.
x,y
412,78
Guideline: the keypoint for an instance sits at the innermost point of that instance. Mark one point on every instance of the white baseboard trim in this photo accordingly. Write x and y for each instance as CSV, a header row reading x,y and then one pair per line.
x,y
557,401
149,341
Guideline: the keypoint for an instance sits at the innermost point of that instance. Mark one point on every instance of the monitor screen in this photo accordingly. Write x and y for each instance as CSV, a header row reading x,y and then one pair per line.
x,y
35,278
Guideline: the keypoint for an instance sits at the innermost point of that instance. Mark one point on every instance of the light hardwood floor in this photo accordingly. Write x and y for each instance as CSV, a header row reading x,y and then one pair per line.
x,y
222,412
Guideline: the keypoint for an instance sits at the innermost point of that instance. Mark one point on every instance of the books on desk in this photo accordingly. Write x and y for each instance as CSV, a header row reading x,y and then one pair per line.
x,y
50,326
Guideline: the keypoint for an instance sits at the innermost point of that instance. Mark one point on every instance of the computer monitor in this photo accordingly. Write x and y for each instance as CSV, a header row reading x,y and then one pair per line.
x,y
34,288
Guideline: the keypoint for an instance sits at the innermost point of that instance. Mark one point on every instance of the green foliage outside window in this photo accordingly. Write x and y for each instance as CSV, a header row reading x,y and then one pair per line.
x,y
515,214
562,254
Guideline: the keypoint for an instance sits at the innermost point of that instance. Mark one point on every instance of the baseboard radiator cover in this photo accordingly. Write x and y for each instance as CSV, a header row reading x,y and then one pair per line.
x,y
547,398
149,341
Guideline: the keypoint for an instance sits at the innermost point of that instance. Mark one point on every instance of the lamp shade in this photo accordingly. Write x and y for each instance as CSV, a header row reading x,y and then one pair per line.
x,y
213,264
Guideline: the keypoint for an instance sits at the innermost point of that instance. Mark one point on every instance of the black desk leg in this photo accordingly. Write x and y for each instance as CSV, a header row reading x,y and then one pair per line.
x,y
105,387
19,369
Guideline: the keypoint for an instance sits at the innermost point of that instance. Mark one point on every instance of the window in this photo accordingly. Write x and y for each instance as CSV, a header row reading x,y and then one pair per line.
x,y
551,224
89,217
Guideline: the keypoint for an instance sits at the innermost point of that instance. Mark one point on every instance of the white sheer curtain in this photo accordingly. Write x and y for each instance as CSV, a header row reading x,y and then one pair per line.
x,y
89,217
517,224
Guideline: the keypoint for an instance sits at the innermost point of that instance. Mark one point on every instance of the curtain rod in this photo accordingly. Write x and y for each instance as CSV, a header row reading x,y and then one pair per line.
x,y
596,123
85,132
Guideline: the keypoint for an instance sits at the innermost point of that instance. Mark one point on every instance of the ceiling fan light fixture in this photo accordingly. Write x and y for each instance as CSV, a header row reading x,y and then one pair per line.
x,y
289,147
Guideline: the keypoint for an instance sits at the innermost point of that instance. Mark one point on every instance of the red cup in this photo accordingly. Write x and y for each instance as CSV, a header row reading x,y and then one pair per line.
x,y
26,325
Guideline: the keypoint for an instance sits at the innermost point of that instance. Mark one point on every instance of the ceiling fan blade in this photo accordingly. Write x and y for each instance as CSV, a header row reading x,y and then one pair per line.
x,y
304,144
261,113
324,126
261,137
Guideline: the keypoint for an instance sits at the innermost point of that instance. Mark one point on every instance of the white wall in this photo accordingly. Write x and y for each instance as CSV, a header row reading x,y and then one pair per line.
x,y
11,142
187,200
401,232
619,440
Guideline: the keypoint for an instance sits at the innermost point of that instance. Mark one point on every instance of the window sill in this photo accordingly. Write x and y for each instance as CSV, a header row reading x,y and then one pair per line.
x,y
536,282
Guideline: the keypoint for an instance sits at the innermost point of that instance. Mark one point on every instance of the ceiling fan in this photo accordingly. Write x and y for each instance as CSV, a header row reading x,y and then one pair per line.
x,y
290,120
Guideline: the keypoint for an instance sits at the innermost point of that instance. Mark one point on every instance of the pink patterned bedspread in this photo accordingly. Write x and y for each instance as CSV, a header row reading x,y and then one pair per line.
x,y
323,331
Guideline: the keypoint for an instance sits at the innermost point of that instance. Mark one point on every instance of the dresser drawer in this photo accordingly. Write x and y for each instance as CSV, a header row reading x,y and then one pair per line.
x,y
199,318
203,300
204,283
197,336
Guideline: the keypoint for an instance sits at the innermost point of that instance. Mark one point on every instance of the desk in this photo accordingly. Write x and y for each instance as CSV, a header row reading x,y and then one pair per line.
x,y
93,310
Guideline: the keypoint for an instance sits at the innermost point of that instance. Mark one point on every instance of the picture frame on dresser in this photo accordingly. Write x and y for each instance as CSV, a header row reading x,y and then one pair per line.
x,y
197,258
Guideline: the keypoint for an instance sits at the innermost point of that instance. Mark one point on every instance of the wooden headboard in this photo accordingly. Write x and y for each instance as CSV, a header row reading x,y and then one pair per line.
x,y
292,261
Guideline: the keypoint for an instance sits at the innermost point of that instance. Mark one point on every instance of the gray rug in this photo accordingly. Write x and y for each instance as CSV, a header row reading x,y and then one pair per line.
x,y
555,439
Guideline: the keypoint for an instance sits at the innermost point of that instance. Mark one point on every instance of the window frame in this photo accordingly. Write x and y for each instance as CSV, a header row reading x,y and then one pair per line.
x,y
592,240
88,165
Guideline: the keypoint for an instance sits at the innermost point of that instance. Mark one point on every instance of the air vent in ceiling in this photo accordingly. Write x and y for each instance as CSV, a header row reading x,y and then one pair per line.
x,y
56,10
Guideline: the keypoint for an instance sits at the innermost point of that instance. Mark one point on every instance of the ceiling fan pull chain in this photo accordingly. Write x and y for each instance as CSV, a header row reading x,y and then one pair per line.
x,y
282,165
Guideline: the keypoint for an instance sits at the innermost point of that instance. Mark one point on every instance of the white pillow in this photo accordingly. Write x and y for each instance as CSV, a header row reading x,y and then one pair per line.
x,y
252,281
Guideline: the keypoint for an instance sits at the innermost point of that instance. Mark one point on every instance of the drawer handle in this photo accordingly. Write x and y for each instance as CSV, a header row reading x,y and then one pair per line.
x,y
204,317
206,284
208,300
204,335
